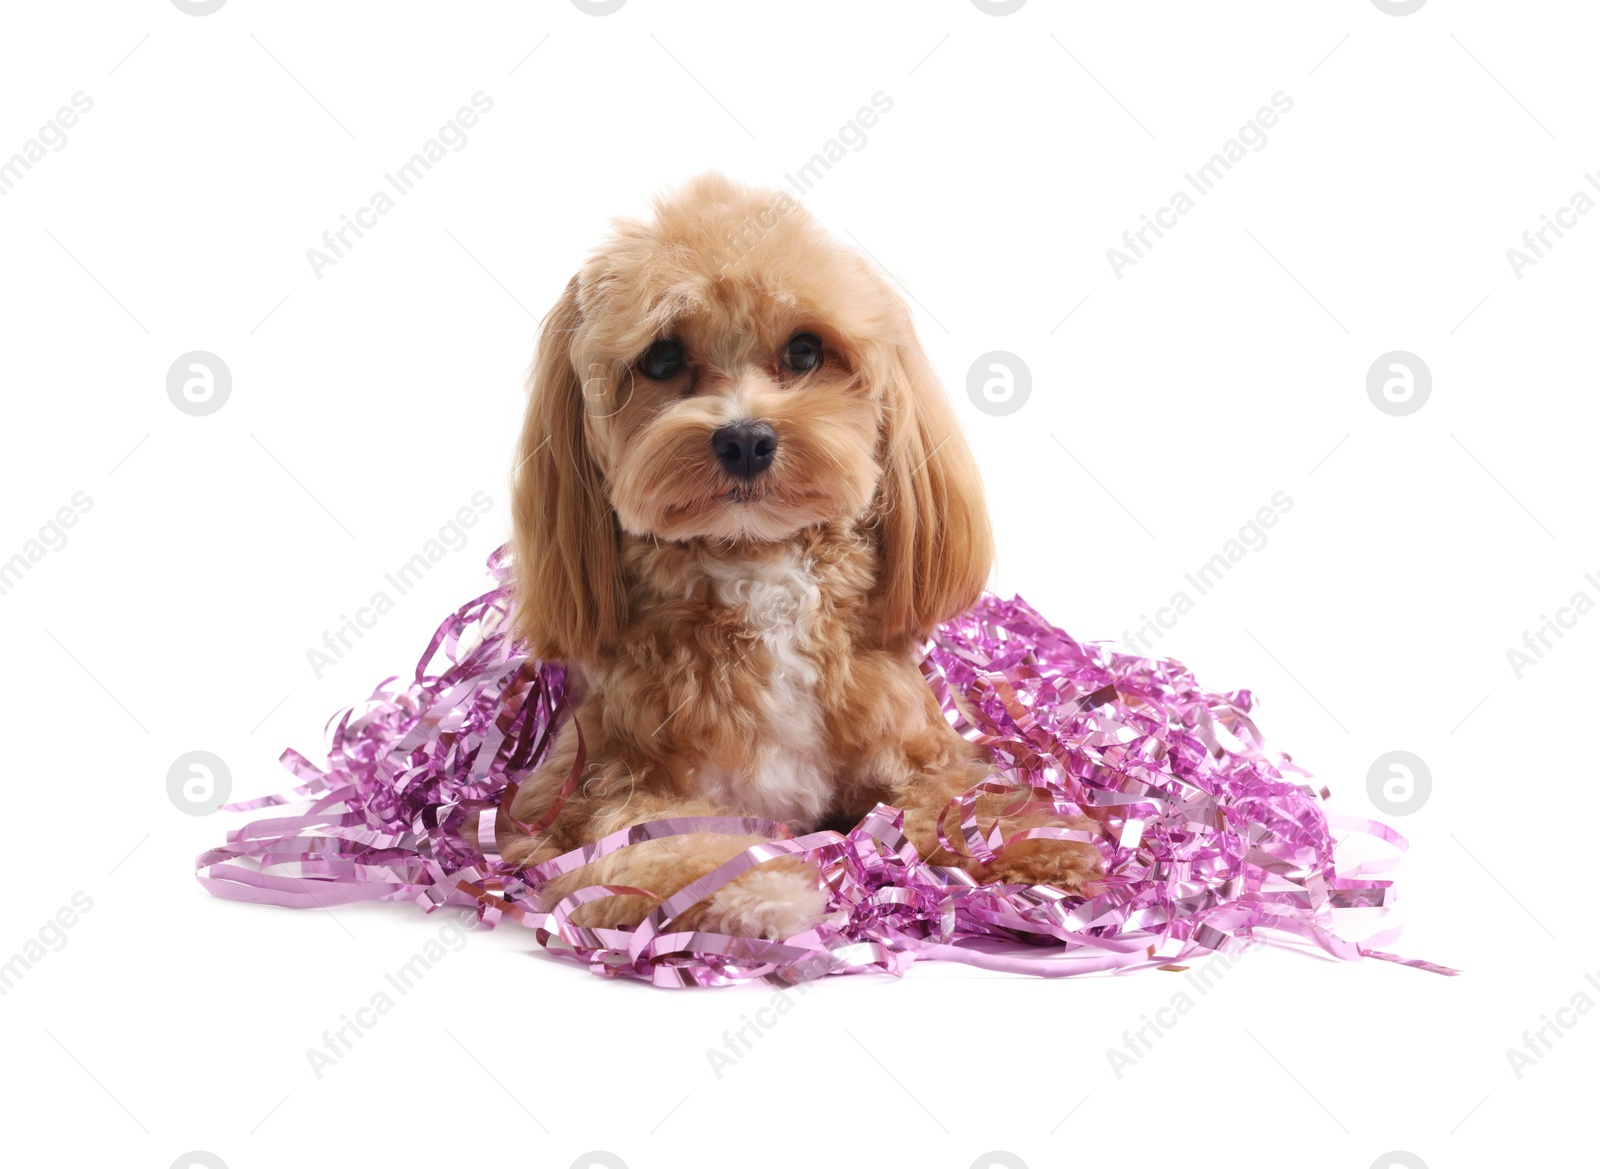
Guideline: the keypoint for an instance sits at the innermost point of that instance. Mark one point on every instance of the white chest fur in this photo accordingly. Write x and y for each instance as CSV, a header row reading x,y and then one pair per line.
x,y
792,781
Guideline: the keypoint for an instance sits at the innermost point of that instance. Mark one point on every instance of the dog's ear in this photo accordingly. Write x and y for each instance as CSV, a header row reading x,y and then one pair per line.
x,y
570,598
934,530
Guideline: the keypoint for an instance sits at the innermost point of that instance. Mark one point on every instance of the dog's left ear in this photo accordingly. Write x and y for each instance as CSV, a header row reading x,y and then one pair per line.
x,y
933,528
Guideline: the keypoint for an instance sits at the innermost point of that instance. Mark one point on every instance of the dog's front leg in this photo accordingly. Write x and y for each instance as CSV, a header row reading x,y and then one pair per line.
x,y
937,766
777,899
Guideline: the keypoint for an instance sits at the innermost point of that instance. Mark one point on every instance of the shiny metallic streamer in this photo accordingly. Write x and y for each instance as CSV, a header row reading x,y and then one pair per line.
x,y
1208,842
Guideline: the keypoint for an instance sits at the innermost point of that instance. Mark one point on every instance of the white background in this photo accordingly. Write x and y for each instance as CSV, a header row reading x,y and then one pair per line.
x,y
368,405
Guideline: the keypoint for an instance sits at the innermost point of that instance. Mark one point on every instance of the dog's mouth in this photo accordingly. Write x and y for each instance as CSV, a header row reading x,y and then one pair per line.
x,y
745,495
749,494
748,511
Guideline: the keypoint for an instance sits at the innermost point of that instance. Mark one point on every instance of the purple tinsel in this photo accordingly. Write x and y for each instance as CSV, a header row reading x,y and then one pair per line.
x,y
1206,841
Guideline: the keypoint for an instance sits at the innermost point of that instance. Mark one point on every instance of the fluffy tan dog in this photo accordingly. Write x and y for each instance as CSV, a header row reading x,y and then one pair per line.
x,y
742,503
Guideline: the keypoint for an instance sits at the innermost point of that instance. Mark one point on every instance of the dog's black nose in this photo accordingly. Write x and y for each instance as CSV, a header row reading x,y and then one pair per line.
x,y
745,449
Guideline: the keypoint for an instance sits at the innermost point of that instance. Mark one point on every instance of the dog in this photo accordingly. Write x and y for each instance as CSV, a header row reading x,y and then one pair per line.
x,y
741,505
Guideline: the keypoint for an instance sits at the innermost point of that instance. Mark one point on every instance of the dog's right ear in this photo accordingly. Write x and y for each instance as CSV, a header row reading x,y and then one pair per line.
x,y
570,601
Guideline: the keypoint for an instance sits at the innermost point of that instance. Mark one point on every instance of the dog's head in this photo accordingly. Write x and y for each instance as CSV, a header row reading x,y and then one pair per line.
x,y
727,372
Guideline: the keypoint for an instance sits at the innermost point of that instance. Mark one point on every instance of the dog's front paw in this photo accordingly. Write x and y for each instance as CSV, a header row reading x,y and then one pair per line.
x,y
1066,864
769,902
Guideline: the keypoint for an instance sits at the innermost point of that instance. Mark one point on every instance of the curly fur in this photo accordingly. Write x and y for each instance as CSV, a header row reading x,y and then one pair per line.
x,y
744,647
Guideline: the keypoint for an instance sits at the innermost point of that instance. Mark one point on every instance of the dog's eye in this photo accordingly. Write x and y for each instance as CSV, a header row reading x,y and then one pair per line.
x,y
663,360
804,352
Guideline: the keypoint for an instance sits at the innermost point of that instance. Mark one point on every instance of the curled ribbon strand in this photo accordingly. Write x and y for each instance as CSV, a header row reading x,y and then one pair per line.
x,y
1209,842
